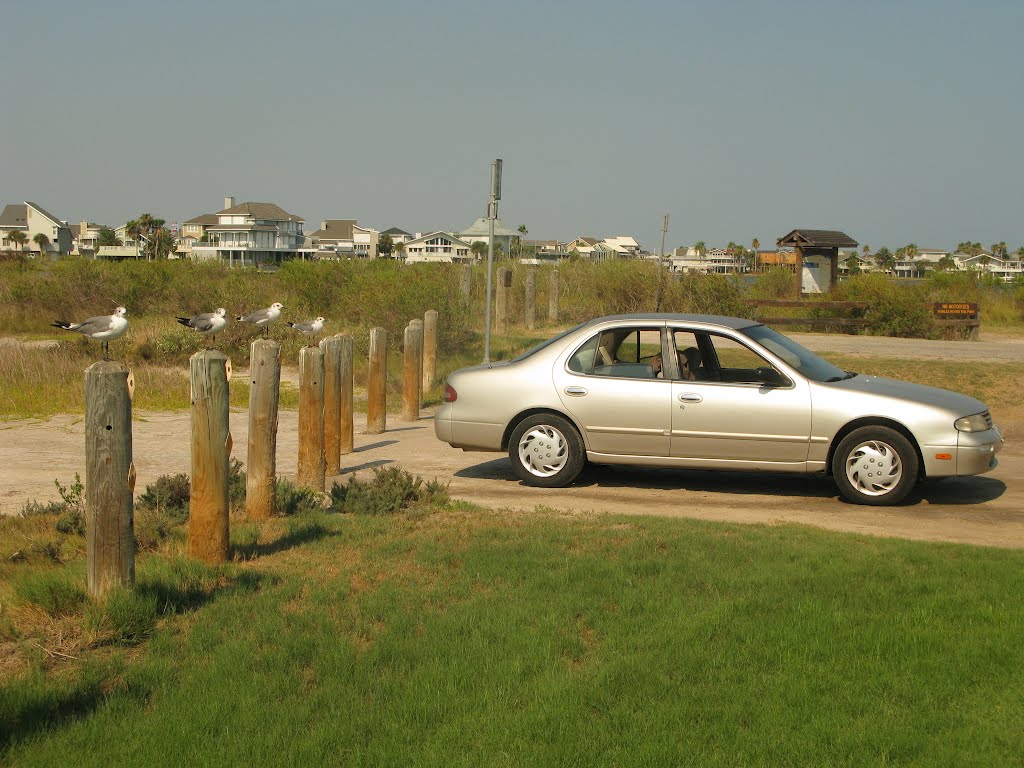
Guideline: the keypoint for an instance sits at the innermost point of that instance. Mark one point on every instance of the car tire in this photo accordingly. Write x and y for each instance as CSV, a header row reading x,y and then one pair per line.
x,y
546,451
876,466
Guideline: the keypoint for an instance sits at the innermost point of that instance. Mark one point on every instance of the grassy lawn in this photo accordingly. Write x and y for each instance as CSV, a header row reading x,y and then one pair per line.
x,y
465,637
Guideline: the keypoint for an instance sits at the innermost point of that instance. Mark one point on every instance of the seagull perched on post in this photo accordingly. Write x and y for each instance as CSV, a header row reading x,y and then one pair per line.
x,y
208,323
103,328
263,317
310,329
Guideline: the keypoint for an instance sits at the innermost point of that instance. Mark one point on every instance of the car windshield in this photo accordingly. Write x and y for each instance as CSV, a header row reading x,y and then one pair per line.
x,y
803,360
535,349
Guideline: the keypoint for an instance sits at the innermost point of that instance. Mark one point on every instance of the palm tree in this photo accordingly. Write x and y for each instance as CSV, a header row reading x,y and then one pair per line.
x,y
701,249
755,245
107,236
886,260
42,241
384,245
478,249
399,250
522,231
18,237
999,249
132,230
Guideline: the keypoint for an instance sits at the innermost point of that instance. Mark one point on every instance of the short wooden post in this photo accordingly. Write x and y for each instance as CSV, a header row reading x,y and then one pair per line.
x,y
429,348
264,394
417,325
208,526
312,467
346,430
553,297
109,477
501,302
331,347
376,388
531,298
466,281
412,378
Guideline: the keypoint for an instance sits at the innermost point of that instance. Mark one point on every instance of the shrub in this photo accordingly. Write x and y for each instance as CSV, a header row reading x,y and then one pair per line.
x,y
123,617
56,592
289,499
69,511
895,310
391,490
168,495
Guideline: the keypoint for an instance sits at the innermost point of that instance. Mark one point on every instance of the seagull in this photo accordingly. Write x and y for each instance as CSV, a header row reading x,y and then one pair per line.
x,y
207,323
263,317
310,329
103,328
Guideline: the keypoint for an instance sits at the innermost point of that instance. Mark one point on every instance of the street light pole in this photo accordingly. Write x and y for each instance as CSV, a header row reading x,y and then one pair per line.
x,y
492,214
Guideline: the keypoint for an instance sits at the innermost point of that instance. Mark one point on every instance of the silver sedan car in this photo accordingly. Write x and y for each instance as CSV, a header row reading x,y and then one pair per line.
x,y
708,392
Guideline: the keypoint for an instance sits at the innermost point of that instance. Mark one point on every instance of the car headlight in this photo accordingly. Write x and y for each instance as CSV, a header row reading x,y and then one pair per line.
x,y
974,423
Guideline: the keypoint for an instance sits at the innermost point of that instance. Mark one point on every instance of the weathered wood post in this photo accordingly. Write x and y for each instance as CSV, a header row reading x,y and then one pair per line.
x,y
466,281
312,467
376,388
412,377
346,430
264,394
429,348
417,325
501,301
331,347
208,525
553,297
109,477
531,298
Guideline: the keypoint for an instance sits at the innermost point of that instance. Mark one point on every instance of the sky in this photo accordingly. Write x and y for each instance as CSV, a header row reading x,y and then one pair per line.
x,y
895,121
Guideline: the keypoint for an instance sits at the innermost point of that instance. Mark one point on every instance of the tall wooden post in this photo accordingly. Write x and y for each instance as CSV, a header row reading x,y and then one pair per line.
x,y
208,525
376,388
312,465
799,272
553,297
264,394
346,431
501,301
417,325
412,378
331,347
466,281
429,348
109,477
531,298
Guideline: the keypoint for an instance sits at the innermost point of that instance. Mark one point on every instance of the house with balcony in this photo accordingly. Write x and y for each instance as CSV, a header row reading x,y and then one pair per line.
x,y
345,238
31,221
713,261
194,231
252,234
623,246
1006,268
84,237
437,248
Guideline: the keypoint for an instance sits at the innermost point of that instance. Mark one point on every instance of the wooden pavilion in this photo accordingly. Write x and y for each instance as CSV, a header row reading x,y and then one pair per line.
x,y
816,242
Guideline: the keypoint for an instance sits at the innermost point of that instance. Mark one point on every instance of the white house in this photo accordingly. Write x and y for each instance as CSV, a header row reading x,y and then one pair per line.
x,y
32,220
712,261
253,233
624,246
437,248
477,232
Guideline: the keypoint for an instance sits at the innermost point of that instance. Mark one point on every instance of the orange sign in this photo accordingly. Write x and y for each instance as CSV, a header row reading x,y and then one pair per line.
x,y
955,309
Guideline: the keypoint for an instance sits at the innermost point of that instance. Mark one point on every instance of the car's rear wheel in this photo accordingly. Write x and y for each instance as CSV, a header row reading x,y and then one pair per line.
x,y
876,466
546,451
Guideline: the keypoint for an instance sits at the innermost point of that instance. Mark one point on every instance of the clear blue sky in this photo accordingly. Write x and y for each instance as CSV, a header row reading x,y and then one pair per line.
x,y
895,121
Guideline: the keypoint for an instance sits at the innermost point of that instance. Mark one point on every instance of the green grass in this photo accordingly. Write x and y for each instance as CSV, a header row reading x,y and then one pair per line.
x,y
472,638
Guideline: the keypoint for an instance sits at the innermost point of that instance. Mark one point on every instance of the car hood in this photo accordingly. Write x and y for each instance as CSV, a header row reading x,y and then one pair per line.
x,y
904,390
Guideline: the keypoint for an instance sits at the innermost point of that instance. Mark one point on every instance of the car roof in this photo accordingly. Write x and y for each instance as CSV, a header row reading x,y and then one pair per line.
x,y
735,323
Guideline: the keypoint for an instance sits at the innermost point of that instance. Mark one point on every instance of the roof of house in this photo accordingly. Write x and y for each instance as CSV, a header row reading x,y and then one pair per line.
x,y
396,231
335,229
480,228
261,211
46,213
439,233
591,241
818,238
14,215
206,219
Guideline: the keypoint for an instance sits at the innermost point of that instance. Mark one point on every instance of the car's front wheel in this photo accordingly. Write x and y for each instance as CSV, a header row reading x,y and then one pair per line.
x,y
546,451
876,466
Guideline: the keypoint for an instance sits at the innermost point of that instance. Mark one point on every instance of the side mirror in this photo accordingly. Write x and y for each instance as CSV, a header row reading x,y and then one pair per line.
x,y
770,377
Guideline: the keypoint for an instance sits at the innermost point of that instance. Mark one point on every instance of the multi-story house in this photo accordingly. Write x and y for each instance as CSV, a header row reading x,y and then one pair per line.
x,y
624,246
84,237
438,248
1006,268
712,261
478,231
195,231
344,237
31,220
253,234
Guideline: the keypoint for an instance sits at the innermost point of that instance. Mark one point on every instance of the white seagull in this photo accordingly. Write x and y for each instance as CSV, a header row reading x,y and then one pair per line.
x,y
208,323
263,317
310,329
103,328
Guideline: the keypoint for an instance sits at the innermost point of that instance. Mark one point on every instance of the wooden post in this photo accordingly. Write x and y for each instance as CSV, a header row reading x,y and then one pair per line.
x,y
553,297
346,432
417,325
331,347
466,282
264,394
312,465
833,270
376,388
501,303
429,348
531,298
109,477
208,526
412,377
799,272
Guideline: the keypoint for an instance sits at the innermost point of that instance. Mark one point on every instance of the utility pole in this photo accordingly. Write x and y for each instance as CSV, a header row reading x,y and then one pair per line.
x,y
664,230
492,214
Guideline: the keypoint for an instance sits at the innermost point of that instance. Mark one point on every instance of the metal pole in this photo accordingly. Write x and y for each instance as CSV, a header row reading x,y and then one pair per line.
x,y
492,214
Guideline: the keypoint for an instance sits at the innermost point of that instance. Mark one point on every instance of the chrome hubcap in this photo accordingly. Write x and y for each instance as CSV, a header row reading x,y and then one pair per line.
x,y
874,468
543,451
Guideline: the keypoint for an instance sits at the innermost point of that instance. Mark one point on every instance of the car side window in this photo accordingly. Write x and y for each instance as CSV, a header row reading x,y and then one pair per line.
x,y
735,363
621,353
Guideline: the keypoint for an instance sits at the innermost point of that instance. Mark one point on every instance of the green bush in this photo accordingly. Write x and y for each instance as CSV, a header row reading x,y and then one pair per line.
x,y
69,511
123,617
894,309
289,499
56,592
391,490
168,495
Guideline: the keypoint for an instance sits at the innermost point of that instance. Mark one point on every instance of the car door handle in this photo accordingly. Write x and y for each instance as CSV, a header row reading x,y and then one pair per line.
x,y
690,397
576,391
